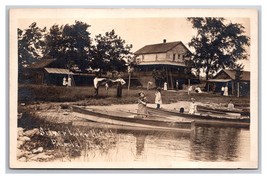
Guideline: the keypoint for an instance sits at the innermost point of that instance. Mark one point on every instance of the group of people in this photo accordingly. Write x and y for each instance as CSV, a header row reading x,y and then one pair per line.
x,y
142,103
119,82
67,82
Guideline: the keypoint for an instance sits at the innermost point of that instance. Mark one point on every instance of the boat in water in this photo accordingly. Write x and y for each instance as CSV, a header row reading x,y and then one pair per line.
x,y
134,121
205,118
223,110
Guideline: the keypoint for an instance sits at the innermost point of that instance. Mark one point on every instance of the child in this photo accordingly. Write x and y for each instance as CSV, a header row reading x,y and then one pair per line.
x,y
231,106
158,99
142,101
192,107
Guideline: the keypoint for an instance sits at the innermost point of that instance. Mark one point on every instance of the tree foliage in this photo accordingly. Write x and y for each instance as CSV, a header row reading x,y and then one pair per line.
x,y
160,76
217,45
70,44
30,45
110,53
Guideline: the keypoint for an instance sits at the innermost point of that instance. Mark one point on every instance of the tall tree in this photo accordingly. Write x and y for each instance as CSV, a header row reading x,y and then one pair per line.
x,y
217,45
70,44
54,43
76,40
110,52
30,45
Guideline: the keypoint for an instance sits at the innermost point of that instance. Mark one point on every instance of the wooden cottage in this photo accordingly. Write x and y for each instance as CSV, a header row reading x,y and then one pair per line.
x,y
169,57
228,77
51,72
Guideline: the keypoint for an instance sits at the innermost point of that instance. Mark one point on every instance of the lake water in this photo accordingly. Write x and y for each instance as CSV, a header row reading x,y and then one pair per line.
x,y
216,144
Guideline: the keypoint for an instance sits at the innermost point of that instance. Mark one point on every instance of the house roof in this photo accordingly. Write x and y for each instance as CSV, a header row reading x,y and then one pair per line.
x,y
219,80
161,63
41,64
158,48
58,71
64,71
231,73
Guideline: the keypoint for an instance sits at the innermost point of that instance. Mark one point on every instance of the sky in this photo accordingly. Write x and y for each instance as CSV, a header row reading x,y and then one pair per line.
x,y
136,30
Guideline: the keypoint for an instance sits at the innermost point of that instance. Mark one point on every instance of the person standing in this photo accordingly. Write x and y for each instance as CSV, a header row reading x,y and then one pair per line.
x,y
222,90
69,81
142,102
158,99
192,107
107,87
165,88
64,81
120,83
177,85
225,90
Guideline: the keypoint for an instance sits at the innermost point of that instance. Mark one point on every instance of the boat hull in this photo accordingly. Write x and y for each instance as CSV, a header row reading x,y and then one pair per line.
x,y
205,119
223,111
135,122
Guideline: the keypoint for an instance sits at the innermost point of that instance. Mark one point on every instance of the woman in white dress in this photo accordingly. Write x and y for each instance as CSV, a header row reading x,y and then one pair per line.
x,y
225,91
158,99
165,86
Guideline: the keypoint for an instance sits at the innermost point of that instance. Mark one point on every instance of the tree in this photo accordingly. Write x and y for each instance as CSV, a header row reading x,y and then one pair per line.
x,y
70,44
30,45
160,76
54,43
110,52
76,40
217,45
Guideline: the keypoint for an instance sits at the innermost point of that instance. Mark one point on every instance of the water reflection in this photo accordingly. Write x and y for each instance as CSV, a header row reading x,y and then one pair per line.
x,y
206,143
218,144
140,144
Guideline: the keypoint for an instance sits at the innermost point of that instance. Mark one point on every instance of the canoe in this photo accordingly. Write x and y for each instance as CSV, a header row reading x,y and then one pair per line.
x,y
152,122
205,118
242,112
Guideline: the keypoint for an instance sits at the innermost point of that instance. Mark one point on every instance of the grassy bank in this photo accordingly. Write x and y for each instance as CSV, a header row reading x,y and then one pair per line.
x,y
85,95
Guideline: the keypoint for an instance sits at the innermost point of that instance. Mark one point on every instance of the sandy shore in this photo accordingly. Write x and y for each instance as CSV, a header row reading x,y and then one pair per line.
x,y
133,107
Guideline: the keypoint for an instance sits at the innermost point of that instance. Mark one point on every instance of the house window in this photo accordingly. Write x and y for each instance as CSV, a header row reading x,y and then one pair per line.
x,y
179,56
156,57
143,57
173,57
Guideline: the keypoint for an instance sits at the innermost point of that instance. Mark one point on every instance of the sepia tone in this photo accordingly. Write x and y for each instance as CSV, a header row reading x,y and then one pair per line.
x,y
139,104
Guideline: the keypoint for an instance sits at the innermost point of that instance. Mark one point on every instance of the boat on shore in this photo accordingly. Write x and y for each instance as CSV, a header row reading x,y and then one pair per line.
x,y
133,121
206,118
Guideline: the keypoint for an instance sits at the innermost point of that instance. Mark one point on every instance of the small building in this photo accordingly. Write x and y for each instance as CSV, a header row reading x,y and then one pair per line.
x,y
50,72
228,78
167,56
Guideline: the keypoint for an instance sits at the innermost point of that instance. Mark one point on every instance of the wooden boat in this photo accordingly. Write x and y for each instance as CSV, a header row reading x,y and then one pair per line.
x,y
204,118
129,120
242,112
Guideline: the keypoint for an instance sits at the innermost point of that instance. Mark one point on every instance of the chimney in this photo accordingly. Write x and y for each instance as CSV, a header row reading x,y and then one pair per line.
x,y
164,40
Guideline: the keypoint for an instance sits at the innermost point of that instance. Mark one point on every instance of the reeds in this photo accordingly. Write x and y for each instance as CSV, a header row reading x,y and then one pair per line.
x,y
65,142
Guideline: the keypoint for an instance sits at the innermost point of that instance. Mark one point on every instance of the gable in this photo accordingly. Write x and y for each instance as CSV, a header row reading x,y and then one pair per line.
x,y
159,48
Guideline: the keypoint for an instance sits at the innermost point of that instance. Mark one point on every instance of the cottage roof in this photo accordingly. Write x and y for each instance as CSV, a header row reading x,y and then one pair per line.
x,y
58,71
158,48
41,64
231,73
